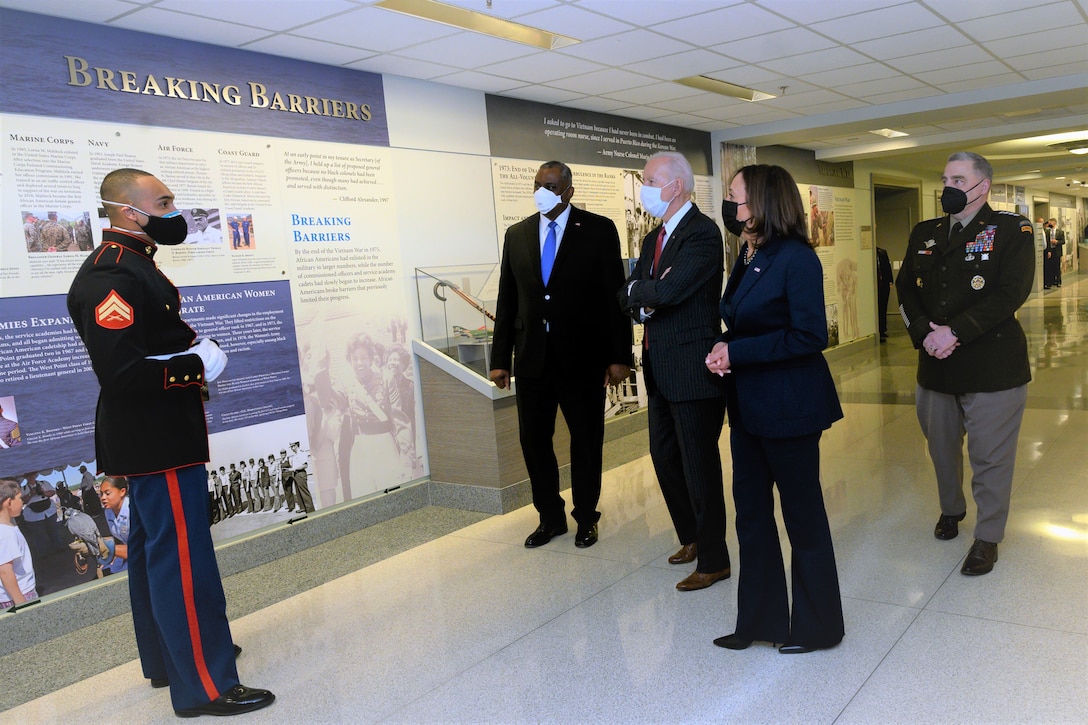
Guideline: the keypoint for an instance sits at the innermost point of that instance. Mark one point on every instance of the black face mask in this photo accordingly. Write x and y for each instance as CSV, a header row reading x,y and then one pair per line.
x,y
954,200
168,230
729,216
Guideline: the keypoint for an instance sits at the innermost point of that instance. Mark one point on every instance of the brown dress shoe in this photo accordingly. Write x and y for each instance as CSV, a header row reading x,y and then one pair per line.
x,y
701,580
686,555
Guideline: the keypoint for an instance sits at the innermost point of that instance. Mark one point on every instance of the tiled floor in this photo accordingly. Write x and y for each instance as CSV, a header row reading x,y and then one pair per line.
x,y
472,627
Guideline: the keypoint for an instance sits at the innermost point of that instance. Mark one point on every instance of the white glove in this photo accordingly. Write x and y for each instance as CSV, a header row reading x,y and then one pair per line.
x,y
213,358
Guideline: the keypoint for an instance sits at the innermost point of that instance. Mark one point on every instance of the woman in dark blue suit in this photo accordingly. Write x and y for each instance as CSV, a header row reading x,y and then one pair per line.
x,y
781,398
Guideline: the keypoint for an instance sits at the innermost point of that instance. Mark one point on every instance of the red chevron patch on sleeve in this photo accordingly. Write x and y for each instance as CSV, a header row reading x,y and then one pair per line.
x,y
113,313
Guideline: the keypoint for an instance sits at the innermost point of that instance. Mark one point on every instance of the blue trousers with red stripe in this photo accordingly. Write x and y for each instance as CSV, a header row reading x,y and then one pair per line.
x,y
178,606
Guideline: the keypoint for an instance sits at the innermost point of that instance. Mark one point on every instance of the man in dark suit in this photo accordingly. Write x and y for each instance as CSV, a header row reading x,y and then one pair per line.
x,y
884,282
674,291
557,317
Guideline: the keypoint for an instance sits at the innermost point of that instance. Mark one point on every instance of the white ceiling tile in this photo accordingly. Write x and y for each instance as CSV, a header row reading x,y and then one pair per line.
x,y
505,10
542,67
778,44
731,23
693,104
291,46
845,104
93,11
759,114
1057,71
1051,58
807,12
680,119
407,67
600,82
884,85
648,13
840,77
381,30
804,101
710,126
166,22
918,41
947,59
681,65
960,73
1074,36
270,14
596,103
817,62
959,10
575,22
646,113
657,94
1029,24
467,50
543,94
907,95
975,84
629,47
479,81
879,23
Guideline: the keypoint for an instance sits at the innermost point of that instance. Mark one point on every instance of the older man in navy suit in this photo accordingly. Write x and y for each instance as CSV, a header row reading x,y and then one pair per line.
x,y
674,291
557,326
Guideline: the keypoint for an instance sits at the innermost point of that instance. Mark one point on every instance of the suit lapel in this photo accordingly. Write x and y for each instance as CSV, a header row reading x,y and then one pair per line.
x,y
675,241
757,269
570,234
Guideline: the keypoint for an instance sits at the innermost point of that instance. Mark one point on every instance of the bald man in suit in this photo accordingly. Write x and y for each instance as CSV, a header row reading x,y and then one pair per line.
x,y
559,329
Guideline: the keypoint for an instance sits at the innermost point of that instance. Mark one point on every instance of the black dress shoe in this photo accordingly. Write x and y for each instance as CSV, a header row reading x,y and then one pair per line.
x,y
586,537
795,649
543,534
235,701
980,559
948,526
732,641
158,682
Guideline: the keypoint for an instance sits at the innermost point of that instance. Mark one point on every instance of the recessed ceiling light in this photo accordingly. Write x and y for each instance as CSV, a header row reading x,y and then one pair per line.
x,y
478,23
703,83
889,133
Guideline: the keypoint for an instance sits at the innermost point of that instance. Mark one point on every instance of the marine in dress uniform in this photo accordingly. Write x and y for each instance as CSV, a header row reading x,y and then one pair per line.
x,y
149,426
962,280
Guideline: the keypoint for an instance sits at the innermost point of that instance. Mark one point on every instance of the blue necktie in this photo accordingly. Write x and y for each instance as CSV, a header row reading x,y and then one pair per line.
x,y
547,257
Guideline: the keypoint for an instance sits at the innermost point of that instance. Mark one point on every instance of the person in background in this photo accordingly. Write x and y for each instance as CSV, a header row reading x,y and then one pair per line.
x,y
884,282
781,398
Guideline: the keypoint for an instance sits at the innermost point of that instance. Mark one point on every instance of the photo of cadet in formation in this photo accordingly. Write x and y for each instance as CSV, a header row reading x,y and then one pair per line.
x,y
150,427
57,231
963,278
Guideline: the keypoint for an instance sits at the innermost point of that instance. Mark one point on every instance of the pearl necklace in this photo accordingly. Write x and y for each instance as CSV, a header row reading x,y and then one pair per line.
x,y
747,259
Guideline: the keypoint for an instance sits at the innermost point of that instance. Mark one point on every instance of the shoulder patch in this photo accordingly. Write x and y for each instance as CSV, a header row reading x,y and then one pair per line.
x,y
1025,226
113,313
